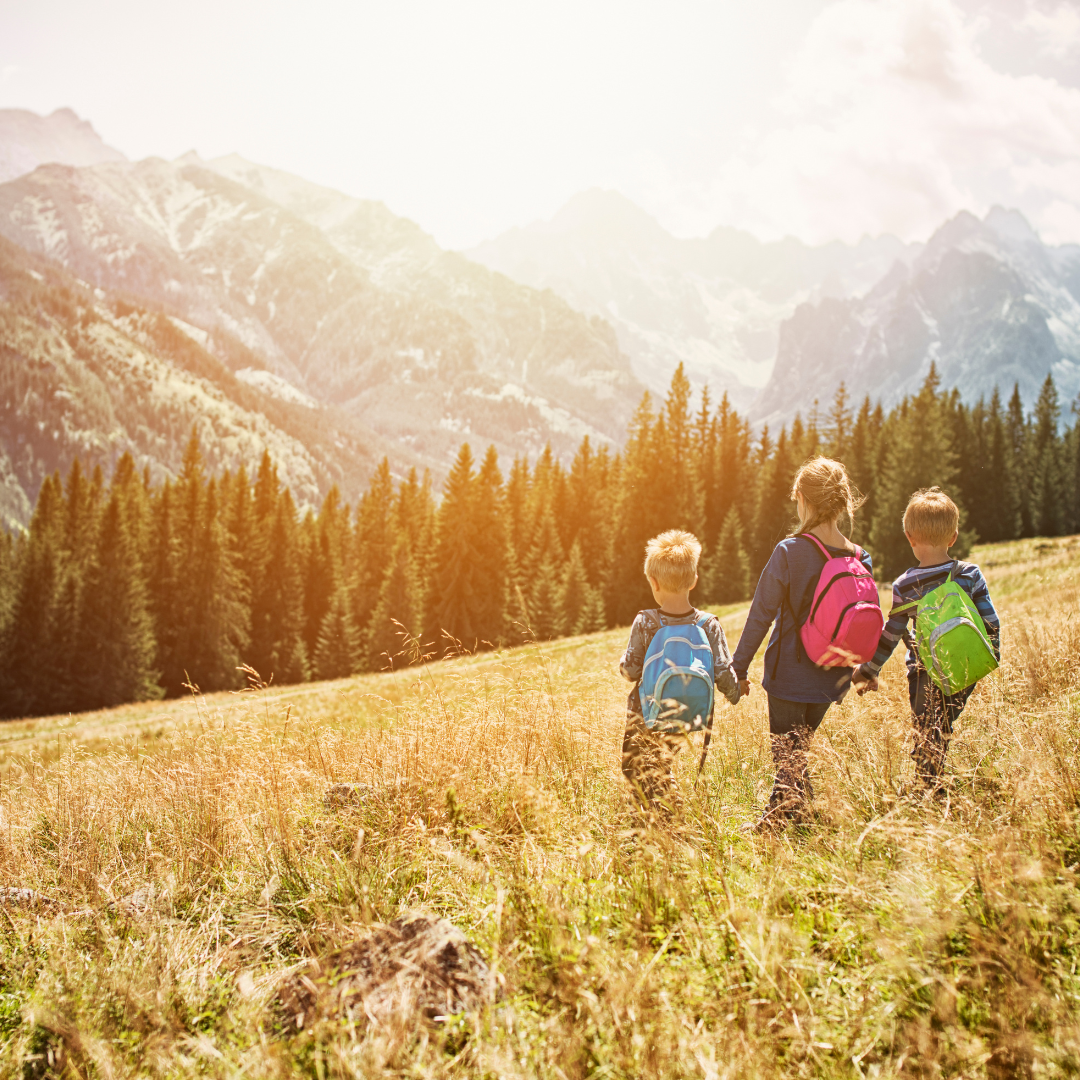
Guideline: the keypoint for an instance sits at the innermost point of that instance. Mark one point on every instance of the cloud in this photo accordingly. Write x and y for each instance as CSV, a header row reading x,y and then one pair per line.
x,y
1057,30
891,120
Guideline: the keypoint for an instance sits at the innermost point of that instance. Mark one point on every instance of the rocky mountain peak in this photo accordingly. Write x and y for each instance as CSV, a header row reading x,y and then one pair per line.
x,y
28,140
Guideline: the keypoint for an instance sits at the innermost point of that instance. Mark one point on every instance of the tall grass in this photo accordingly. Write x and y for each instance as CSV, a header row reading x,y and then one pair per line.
x,y
893,938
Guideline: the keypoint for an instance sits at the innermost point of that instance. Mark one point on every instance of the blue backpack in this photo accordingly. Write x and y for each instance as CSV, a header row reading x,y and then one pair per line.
x,y
677,676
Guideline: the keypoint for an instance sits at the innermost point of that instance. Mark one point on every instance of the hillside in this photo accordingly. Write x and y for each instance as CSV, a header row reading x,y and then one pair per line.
x,y
419,357
714,304
186,862
88,372
986,301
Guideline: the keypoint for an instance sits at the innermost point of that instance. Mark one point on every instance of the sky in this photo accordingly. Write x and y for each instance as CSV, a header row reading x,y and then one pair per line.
x,y
822,119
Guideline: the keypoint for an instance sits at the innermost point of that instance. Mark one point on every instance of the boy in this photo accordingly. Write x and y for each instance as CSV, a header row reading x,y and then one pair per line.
x,y
931,521
671,561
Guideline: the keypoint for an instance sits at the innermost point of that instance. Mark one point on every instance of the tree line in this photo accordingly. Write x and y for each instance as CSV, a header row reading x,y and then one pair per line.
x,y
123,590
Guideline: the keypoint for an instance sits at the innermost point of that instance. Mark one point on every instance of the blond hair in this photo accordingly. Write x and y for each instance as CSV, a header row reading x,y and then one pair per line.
x,y
671,560
827,491
931,517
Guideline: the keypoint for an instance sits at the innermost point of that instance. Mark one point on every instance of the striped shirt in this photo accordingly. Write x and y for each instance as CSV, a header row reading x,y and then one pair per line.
x,y
914,584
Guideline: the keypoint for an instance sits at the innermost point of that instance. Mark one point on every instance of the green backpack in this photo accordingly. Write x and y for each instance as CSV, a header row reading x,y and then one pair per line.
x,y
951,637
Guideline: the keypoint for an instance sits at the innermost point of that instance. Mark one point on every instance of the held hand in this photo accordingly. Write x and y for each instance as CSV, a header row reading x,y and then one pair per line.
x,y
864,683
744,688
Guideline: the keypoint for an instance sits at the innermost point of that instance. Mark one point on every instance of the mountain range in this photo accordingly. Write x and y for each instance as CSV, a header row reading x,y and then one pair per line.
x,y
301,295
986,301
713,304
142,300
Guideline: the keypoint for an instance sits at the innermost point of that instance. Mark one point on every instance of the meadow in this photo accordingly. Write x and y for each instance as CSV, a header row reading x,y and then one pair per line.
x,y
184,861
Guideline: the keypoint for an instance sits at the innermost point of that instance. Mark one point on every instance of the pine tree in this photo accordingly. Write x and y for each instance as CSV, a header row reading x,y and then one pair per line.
x,y
245,549
920,454
992,500
1071,469
323,541
591,617
1045,464
1017,428
838,432
574,593
493,542
458,578
163,579
373,546
543,595
589,508
277,639
7,585
31,649
81,520
545,601
861,463
685,503
775,511
205,621
398,612
337,648
639,510
731,582
116,647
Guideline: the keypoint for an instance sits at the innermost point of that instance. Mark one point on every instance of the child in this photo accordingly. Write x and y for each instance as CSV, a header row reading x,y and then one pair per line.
x,y
931,521
671,561
799,691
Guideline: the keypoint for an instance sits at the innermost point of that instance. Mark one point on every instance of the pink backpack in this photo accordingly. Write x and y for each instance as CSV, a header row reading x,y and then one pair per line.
x,y
845,620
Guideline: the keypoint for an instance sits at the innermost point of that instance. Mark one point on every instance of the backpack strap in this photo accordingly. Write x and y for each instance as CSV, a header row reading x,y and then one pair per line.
x,y
896,609
817,543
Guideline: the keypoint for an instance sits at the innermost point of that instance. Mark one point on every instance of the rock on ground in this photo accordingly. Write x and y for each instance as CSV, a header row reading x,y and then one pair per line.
x,y
417,966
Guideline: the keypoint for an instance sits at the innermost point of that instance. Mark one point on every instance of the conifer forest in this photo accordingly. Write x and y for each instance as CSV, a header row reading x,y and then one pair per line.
x,y
123,590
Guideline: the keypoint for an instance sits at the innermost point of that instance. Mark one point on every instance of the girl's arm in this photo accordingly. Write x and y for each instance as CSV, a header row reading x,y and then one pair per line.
x,y
770,594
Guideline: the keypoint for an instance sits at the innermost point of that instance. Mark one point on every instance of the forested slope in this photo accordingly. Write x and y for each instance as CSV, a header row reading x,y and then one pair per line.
x,y
132,587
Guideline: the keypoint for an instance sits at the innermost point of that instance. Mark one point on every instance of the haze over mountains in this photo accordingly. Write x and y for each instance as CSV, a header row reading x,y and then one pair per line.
x,y
339,306
777,325
138,299
714,304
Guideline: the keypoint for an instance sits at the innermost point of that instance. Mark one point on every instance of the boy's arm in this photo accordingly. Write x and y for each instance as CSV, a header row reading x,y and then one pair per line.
x,y
724,677
634,659
890,636
980,597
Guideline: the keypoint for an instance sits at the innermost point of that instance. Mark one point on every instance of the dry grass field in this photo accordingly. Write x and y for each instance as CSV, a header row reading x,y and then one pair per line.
x,y
185,863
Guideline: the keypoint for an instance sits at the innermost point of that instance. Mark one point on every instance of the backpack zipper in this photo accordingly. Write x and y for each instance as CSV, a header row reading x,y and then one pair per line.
x,y
854,603
832,581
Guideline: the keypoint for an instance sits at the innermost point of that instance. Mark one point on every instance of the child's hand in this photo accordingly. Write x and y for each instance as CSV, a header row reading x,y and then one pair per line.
x,y
864,683
744,688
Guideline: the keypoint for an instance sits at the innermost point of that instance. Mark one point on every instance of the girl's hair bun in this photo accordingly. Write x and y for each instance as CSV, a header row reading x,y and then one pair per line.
x,y
828,491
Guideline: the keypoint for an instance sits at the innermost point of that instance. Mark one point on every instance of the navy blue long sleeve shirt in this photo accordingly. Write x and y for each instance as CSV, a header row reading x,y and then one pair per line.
x,y
783,595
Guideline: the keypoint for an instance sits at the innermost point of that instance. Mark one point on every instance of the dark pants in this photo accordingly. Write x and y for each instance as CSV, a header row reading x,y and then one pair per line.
x,y
648,758
933,717
791,727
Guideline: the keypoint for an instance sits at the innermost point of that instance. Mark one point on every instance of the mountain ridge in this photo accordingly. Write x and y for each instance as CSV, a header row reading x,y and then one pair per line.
x,y
986,301
435,351
28,140
713,303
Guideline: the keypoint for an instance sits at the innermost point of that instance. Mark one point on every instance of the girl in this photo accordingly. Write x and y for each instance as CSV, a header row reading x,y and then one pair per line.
x,y
799,691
